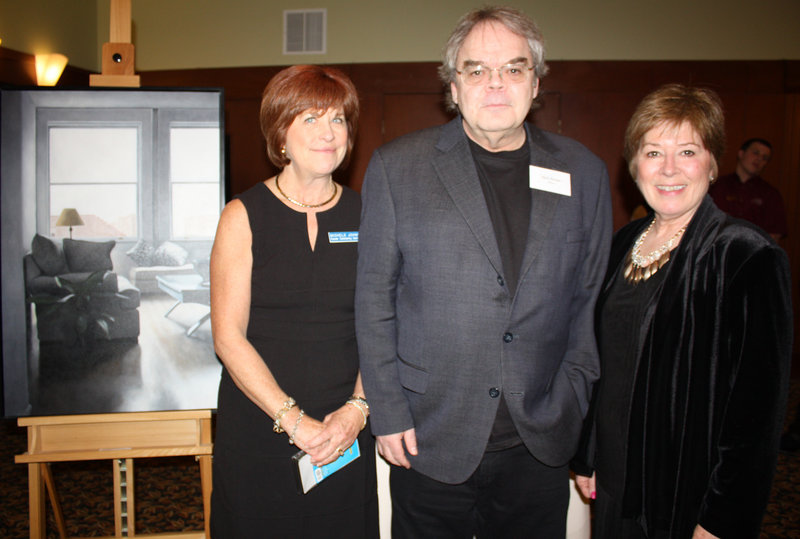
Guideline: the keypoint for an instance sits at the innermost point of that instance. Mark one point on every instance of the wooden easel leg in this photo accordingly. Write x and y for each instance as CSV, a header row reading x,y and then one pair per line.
x,y
38,524
124,510
50,485
117,498
205,482
130,498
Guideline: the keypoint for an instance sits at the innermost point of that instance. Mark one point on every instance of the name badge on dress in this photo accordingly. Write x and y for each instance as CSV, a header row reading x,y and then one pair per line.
x,y
343,237
552,181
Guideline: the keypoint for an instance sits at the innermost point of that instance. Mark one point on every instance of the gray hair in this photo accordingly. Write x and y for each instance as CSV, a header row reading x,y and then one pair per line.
x,y
513,19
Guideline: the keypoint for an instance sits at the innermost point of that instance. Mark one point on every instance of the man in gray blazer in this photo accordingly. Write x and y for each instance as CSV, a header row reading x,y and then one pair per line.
x,y
482,247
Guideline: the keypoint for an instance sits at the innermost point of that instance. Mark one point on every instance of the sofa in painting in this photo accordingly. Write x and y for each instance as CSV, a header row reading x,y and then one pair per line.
x,y
167,259
75,261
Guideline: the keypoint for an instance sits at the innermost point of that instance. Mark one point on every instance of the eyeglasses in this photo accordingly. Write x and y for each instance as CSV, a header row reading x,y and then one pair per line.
x,y
478,74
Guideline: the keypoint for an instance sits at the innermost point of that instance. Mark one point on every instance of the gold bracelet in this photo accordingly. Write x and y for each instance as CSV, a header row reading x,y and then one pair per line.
x,y
360,400
360,409
296,424
288,405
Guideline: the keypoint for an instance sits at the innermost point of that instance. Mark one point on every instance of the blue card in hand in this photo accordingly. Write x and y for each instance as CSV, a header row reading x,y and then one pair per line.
x,y
309,476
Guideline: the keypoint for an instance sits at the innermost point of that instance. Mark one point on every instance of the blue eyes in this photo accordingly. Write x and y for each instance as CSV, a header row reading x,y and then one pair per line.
x,y
686,153
312,119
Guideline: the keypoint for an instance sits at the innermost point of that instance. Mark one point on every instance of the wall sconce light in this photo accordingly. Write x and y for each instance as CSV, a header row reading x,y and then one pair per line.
x,y
49,68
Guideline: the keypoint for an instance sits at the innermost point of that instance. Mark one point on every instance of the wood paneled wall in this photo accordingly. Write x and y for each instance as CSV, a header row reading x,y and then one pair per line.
x,y
587,100
590,101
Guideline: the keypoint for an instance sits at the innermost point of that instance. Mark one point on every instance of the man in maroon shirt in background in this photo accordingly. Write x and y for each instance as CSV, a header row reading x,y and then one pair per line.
x,y
746,195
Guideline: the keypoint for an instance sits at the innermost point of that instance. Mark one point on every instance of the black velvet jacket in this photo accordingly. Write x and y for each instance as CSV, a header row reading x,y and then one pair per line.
x,y
717,340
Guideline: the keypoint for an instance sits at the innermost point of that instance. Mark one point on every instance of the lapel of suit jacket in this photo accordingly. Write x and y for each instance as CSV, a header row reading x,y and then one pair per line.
x,y
543,204
455,167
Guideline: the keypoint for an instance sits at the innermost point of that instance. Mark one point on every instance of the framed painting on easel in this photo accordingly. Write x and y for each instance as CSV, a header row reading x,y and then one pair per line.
x,y
110,200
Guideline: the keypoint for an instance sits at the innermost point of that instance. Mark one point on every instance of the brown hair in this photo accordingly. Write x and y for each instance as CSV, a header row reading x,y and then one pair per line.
x,y
749,142
513,19
674,104
297,89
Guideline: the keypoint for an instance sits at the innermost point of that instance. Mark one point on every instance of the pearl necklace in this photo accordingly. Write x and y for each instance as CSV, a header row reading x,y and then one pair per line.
x,y
642,267
293,201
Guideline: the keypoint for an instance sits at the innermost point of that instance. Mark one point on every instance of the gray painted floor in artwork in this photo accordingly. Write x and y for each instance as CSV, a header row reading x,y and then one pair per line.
x,y
163,370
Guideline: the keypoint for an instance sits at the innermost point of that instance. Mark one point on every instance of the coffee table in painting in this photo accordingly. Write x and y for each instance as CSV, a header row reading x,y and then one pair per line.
x,y
186,289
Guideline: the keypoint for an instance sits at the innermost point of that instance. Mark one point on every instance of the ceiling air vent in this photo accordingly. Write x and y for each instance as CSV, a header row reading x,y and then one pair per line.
x,y
304,31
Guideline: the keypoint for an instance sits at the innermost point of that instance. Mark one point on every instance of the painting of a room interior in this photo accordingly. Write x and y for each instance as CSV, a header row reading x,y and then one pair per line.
x,y
116,204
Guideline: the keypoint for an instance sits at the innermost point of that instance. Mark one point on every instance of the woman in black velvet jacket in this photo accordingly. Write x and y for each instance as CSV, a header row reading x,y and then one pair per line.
x,y
694,328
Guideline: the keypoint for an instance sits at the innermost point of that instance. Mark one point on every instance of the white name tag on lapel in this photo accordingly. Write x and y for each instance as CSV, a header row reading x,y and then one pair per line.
x,y
552,181
343,237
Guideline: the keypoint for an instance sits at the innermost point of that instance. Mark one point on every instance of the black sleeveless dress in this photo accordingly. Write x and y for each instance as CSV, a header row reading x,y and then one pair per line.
x,y
302,325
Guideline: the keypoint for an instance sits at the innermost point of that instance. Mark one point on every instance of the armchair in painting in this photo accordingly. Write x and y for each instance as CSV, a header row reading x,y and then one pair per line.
x,y
55,270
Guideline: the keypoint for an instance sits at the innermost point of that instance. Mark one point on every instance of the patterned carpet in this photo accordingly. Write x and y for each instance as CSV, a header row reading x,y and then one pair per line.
x,y
168,497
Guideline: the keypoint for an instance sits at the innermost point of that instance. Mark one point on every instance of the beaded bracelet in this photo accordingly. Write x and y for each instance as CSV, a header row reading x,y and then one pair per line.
x,y
288,405
296,424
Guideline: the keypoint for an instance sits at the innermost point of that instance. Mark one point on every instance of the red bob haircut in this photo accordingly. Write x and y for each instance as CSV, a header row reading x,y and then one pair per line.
x,y
297,89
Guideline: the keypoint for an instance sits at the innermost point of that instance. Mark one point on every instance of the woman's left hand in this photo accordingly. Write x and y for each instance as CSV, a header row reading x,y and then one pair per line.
x,y
587,486
341,429
701,533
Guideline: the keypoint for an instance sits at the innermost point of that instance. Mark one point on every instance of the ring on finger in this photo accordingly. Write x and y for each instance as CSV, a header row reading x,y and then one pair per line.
x,y
340,451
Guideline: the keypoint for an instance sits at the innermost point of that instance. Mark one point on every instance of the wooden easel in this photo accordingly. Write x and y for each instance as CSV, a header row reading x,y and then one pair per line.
x,y
120,438
118,54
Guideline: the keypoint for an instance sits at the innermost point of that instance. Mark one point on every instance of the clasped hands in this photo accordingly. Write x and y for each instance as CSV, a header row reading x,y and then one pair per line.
x,y
326,440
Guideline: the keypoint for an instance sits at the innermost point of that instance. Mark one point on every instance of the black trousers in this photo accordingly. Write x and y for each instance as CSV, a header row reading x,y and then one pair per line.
x,y
510,495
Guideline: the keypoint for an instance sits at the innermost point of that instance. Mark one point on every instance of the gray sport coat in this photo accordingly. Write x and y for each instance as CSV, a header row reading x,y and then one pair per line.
x,y
439,334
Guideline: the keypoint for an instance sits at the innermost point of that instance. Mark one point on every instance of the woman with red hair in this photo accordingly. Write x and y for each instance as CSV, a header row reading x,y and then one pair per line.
x,y
282,288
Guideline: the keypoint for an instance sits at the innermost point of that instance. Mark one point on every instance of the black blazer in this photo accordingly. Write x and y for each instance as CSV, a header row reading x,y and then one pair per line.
x,y
719,332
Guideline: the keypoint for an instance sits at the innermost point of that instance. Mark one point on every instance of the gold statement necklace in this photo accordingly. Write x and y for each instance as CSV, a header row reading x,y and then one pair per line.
x,y
293,201
642,267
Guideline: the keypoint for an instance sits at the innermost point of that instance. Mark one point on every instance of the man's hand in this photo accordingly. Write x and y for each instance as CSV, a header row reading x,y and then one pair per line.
x,y
391,447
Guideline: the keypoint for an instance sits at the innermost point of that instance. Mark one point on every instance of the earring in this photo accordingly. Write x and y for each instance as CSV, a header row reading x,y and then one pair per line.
x,y
283,150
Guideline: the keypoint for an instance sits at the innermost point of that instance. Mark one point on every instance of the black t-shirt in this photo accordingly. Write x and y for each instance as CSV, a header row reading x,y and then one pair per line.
x,y
504,180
